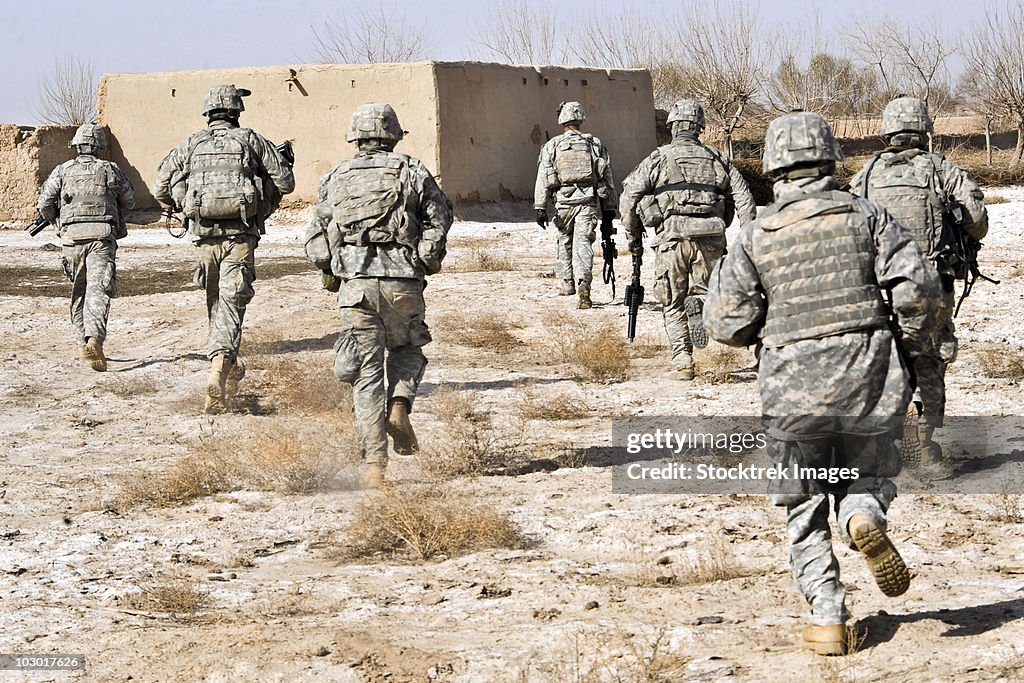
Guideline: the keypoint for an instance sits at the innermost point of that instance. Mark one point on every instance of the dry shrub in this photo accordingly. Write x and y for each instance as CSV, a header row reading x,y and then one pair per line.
x,y
600,654
470,441
996,199
131,387
1009,508
565,406
490,331
717,363
712,560
175,595
279,457
1000,361
425,522
649,346
304,386
483,260
598,352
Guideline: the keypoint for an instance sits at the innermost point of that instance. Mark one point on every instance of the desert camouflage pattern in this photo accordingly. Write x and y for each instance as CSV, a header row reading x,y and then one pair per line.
x,y
571,112
797,138
409,237
88,227
379,352
380,295
906,114
89,134
171,183
911,184
226,97
849,386
690,239
578,205
94,283
689,112
226,270
374,121
574,244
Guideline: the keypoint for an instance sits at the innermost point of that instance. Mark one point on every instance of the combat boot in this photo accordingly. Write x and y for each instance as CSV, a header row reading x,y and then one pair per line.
x,y
371,475
832,640
910,442
568,288
694,307
92,352
931,451
216,402
886,565
400,428
585,301
682,369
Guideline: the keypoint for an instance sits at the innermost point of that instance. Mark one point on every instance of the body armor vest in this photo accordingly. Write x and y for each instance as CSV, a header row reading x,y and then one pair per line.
x,y
574,160
88,200
696,178
368,196
907,185
222,183
816,259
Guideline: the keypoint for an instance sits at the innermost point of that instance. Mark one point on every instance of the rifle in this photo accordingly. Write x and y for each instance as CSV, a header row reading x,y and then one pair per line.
x,y
959,252
170,218
609,252
286,152
36,226
634,294
970,251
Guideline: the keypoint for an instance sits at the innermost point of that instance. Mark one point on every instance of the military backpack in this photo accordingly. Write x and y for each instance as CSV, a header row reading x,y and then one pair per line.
x,y
222,183
368,195
574,159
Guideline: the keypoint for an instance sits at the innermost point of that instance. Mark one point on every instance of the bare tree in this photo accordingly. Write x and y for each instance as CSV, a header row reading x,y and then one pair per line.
x,y
519,33
723,55
994,52
67,95
829,85
369,36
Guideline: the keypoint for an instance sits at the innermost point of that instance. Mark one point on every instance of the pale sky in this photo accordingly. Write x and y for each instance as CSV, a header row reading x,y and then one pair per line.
x,y
133,35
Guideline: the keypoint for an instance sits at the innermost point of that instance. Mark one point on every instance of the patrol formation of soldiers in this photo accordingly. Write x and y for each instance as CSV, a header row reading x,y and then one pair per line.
x,y
843,293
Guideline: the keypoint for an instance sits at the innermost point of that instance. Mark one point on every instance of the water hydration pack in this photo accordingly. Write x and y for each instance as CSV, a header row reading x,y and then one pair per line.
x,y
574,159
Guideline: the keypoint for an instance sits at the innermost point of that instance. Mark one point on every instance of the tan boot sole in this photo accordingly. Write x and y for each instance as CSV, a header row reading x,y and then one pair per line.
x,y
404,442
214,401
884,561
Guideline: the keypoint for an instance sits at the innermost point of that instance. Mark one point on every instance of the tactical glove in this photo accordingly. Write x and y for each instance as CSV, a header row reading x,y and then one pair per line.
x,y
331,282
542,218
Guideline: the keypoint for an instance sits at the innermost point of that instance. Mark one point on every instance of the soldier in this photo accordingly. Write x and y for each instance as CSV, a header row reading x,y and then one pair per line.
x,y
808,281
226,180
922,190
382,223
574,167
86,199
688,193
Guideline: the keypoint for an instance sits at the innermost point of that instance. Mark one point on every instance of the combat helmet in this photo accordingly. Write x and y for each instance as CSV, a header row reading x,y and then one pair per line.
x,y
906,114
374,121
570,112
689,111
798,138
89,134
226,97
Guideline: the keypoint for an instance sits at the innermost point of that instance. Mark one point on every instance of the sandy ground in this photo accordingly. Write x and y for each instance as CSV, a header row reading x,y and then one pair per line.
x,y
597,592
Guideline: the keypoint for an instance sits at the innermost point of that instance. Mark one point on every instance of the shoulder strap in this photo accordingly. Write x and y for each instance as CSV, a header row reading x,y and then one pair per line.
x,y
867,172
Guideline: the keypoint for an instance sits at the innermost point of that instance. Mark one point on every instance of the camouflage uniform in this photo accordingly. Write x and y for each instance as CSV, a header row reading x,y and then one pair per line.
x,y
913,185
574,169
386,223
86,198
244,182
807,281
688,193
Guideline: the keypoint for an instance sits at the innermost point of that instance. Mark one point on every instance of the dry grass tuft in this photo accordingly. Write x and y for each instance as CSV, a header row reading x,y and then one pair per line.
x,y
1009,508
611,654
471,442
1000,361
490,331
485,261
304,386
280,457
649,346
599,353
565,406
717,363
174,595
712,560
131,387
996,199
426,522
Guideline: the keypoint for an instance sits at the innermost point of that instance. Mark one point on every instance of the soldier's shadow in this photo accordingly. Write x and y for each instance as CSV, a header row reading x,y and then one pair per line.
x,y
129,364
964,621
